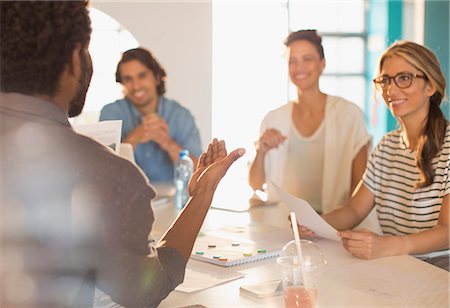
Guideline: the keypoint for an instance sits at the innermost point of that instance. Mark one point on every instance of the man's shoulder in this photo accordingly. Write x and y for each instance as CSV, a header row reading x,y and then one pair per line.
x,y
90,150
117,105
174,108
171,104
98,161
121,109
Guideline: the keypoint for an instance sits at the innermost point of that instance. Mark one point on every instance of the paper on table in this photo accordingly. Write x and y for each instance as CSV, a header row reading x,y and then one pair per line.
x,y
195,279
307,216
389,282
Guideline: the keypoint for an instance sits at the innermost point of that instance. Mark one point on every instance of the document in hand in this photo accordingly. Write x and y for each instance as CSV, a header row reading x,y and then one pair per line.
x,y
107,133
307,216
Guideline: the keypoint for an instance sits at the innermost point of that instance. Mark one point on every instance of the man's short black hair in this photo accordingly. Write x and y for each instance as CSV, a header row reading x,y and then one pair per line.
x,y
37,42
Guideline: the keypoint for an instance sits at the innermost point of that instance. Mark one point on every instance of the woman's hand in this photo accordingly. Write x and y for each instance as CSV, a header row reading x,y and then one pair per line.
x,y
270,139
364,244
212,166
305,232
302,230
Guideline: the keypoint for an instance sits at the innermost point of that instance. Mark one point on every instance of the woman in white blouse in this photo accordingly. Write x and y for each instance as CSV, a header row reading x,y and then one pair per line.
x,y
316,147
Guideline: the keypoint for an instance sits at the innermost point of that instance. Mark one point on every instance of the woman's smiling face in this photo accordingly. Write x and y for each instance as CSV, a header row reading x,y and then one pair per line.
x,y
305,64
410,102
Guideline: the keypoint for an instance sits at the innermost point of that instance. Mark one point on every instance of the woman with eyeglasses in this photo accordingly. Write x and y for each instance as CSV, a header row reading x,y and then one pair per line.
x,y
316,147
407,177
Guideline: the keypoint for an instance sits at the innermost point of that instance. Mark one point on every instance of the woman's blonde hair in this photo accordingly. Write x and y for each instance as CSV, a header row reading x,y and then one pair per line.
x,y
433,133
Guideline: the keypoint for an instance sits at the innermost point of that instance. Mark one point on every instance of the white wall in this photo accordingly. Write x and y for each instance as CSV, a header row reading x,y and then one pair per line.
x,y
249,71
179,35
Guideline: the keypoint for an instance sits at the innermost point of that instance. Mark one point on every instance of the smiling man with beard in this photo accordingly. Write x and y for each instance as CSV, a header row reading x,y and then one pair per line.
x,y
157,127
72,214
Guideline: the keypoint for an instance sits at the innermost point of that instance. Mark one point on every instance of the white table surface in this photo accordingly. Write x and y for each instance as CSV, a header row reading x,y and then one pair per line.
x,y
401,281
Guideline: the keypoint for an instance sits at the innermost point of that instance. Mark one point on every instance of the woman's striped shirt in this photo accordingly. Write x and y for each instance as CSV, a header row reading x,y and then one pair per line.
x,y
391,174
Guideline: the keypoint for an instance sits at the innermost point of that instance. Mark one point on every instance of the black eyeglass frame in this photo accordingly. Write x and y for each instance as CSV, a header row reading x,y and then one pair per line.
x,y
378,80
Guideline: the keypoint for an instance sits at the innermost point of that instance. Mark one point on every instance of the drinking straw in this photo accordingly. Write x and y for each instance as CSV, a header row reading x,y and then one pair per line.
x,y
299,249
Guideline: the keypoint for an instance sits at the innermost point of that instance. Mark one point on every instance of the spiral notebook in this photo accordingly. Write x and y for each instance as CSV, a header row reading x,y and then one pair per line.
x,y
231,252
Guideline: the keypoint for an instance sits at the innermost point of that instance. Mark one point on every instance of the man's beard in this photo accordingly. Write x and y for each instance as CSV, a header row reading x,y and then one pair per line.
x,y
77,103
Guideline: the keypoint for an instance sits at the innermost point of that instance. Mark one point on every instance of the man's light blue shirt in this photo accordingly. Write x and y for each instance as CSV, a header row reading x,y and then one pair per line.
x,y
153,160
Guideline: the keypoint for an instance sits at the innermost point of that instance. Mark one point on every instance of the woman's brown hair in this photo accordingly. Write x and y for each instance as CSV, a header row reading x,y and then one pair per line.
x,y
433,133
306,35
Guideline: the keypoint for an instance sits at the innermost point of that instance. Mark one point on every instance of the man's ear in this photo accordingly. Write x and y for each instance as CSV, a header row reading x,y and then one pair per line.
x,y
158,79
74,65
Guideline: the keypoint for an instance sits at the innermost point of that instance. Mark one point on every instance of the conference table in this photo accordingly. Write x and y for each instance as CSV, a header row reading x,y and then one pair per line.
x,y
400,281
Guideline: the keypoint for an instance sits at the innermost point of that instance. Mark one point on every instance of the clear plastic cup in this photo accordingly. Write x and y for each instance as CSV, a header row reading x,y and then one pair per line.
x,y
297,293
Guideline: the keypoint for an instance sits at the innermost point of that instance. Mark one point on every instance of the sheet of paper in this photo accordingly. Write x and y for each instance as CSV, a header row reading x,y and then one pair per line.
x,y
107,133
199,277
381,279
307,216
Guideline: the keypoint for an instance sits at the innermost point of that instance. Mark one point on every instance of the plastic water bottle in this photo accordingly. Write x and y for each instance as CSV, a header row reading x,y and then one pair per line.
x,y
183,172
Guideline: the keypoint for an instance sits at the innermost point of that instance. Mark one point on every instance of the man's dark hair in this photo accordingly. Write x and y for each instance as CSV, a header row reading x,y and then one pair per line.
x,y
37,42
145,57
306,35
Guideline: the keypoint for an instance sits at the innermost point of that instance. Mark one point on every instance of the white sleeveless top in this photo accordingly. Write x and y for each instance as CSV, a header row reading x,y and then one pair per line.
x,y
304,166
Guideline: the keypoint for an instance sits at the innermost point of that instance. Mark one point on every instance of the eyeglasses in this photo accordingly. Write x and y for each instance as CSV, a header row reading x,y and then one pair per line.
x,y
401,80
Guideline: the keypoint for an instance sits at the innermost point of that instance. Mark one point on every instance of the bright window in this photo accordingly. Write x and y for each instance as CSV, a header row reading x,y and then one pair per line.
x,y
328,16
249,70
342,27
108,40
250,75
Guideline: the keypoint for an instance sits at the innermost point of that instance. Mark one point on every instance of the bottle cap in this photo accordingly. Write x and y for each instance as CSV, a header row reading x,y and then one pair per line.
x,y
184,152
